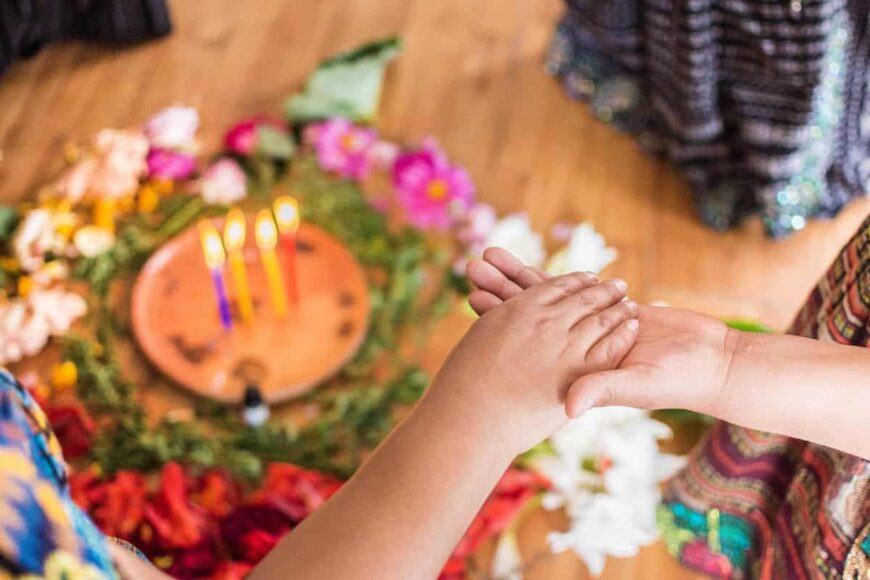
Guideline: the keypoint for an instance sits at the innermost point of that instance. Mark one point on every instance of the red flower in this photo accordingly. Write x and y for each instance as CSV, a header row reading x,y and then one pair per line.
x,y
73,427
511,493
194,562
176,521
116,504
296,492
248,530
216,493
231,570
243,137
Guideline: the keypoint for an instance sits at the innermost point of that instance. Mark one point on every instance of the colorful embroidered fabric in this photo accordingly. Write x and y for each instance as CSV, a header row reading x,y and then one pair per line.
x,y
752,504
43,534
761,105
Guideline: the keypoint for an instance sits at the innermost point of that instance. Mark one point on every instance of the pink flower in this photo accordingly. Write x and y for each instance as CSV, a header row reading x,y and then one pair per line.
x,y
172,128
342,147
476,225
224,183
169,164
114,169
432,192
242,137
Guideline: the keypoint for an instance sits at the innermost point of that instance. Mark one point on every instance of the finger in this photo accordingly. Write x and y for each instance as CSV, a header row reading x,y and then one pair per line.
x,y
591,300
545,275
487,277
588,332
607,353
482,301
510,266
602,389
559,288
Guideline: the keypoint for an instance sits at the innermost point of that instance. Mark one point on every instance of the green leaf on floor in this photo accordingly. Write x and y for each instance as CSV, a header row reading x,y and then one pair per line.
x,y
348,85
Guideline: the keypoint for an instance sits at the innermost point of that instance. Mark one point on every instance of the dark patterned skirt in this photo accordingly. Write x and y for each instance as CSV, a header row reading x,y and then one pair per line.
x,y
761,104
752,504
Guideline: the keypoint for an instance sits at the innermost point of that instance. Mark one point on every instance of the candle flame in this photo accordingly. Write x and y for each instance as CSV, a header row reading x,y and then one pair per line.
x,y
286,214
265,231
212,248
234,230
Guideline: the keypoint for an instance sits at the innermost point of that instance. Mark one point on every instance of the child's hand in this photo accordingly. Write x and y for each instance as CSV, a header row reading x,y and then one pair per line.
x,y
510,373
680,359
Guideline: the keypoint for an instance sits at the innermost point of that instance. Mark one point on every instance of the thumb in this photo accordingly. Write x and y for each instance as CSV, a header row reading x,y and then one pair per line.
x,y
602,389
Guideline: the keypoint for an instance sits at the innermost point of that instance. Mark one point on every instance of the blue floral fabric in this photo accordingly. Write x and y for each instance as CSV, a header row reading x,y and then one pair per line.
x,y
43,534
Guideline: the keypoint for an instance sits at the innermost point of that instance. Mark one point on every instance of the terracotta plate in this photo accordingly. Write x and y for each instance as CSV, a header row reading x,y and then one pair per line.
x,y
176,321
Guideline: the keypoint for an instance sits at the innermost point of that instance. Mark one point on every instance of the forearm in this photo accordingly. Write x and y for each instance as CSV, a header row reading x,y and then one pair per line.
x,y
404,511
800,387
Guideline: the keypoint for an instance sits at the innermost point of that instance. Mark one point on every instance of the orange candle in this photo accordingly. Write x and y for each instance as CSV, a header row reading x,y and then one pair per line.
x,y
234,240
286,211
267,238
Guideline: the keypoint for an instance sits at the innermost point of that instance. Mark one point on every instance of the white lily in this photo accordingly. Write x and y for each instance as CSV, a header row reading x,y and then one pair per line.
x,y
587,251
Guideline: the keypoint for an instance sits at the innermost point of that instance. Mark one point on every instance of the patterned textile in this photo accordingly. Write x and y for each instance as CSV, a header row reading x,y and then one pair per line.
x,y
767,506
43,534
761,104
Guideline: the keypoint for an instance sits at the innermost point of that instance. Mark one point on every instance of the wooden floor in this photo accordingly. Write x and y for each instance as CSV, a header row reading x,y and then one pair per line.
x,y
471,75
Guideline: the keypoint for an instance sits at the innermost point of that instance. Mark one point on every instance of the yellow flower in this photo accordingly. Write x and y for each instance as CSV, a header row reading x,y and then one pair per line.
x,y
163,186
64,376
148,199
25,286
10,264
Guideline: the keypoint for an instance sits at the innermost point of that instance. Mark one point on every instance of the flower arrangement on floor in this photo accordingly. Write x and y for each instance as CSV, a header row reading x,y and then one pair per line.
x,y
227,492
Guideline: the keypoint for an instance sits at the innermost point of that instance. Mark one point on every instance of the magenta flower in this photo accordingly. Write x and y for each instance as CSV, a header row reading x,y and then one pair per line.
x,y
342,147
432,192
169,164
242,137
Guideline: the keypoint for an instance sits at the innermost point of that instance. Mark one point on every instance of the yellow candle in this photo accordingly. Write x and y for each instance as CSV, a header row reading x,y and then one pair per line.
x,y
234,240
267,238
104,214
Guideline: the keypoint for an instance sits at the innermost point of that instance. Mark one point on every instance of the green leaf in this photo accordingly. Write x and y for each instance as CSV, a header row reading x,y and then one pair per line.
x,y
748,326
274,144
9,218
348,85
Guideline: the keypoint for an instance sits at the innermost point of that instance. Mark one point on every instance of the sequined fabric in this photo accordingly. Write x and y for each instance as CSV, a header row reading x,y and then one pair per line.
x,y
761,105
758,505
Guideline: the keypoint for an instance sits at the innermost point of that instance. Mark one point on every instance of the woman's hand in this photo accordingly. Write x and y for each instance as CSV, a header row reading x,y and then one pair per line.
x,y
509,375
680,359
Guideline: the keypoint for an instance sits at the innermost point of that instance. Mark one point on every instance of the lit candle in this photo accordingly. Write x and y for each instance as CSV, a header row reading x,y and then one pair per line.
x,y
104,214
213,251
234,240
267,238
287,216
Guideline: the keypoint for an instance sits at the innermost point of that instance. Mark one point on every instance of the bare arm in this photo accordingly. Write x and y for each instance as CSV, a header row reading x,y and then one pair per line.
x,y
804,388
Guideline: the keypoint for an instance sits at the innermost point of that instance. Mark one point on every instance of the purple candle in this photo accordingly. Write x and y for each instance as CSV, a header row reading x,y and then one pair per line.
x,y
215,257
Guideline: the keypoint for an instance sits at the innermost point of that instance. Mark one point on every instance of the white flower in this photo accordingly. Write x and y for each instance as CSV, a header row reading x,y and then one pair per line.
x,y
515,234
224,183
33,238
586,251
507,562
92,241
173,127
605,471
27,323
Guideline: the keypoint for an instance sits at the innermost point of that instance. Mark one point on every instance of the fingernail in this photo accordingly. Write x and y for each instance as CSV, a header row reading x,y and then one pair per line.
x,y
593,276
581,409
620,284
631,305
632,324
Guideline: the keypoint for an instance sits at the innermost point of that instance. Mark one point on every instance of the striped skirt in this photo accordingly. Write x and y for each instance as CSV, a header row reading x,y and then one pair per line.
x,y
761,104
